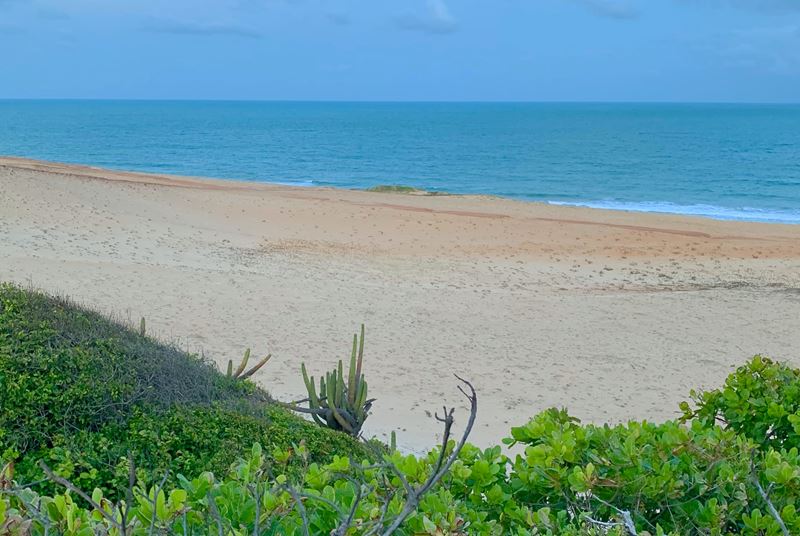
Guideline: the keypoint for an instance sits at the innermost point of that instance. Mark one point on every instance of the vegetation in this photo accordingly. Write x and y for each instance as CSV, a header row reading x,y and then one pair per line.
x,y
79,412
341,404
403,189
760,401
394,188
83,393
239,373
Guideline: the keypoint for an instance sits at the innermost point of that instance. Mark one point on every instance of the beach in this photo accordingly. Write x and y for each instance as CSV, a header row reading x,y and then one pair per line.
x,y
614,315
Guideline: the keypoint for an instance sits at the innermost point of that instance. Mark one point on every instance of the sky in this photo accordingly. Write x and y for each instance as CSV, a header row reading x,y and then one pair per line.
x,y
402,50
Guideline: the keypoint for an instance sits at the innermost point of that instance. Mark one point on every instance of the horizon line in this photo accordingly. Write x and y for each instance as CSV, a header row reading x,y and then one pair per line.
x,y
392,101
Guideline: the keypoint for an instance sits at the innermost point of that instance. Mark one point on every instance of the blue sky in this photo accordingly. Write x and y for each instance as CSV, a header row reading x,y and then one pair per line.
x,y
530,50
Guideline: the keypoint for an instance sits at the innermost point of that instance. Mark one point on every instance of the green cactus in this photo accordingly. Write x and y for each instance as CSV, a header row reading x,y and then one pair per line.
x,y
142,327
342,402
239,373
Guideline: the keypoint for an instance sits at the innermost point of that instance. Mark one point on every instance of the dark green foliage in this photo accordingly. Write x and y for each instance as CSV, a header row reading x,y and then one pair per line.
x,y
403,189
666,475
394,188
63,367
81,392
761,400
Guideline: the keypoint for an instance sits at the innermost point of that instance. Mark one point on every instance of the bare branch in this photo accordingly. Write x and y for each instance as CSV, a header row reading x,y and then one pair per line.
x,y
604,524
443,465
627,520
128,493
765,497
384,510
212,505
300,508
70,486
254,490
157,491
341,530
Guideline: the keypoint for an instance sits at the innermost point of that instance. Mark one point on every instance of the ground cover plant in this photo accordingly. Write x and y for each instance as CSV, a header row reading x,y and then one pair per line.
x,y
83,392
103,454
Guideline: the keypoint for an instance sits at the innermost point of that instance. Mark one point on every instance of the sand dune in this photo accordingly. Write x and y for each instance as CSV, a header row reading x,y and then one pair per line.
x,y
614,315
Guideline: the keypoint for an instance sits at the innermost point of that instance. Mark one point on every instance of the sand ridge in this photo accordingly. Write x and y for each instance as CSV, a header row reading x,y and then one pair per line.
x,y
615,315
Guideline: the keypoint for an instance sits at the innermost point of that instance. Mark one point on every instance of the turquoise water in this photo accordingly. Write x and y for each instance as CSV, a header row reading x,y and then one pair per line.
x,y
722,161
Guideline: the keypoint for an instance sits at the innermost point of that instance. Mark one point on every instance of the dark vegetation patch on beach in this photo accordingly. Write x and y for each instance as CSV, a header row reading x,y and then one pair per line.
x,y
403,189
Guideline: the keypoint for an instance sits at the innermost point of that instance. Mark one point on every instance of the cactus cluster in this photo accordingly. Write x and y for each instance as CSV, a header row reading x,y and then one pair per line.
x,y
239,373
341,403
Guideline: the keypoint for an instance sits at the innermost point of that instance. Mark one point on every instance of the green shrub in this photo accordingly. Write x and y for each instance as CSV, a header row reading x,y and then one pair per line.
x,y
760,400
257,497
64,367
83,393
731,465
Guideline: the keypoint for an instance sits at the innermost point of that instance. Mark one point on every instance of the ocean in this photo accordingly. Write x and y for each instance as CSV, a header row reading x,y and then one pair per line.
x,y
725,161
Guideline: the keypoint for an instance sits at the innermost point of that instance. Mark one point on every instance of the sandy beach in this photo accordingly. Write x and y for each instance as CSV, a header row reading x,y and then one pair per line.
x,y
614,315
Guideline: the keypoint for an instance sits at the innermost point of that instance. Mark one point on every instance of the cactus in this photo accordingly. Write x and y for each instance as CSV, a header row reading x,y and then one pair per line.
x,y
341,403
141,327
239,373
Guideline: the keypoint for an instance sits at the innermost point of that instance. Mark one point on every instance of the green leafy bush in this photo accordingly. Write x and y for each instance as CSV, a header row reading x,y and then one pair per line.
x,y
83,393
760,400
257,497
731,465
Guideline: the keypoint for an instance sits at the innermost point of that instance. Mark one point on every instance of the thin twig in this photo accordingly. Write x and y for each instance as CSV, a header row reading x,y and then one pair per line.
x,y
627,520
298,502
258,508
70,486
128,493
154,500
212,505
442,466
341,530
765,496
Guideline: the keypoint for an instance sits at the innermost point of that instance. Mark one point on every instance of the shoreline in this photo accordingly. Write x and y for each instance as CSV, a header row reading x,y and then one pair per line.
x,y
90,171
615,315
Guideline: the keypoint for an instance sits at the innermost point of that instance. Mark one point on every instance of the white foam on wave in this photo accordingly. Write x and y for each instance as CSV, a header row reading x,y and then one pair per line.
x,y
706,211
293,183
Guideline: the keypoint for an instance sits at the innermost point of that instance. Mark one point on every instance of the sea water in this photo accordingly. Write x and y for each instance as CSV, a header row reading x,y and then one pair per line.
x,y
729,161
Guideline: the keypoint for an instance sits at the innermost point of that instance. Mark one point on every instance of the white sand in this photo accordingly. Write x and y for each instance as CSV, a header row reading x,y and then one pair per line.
x,y
614,315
